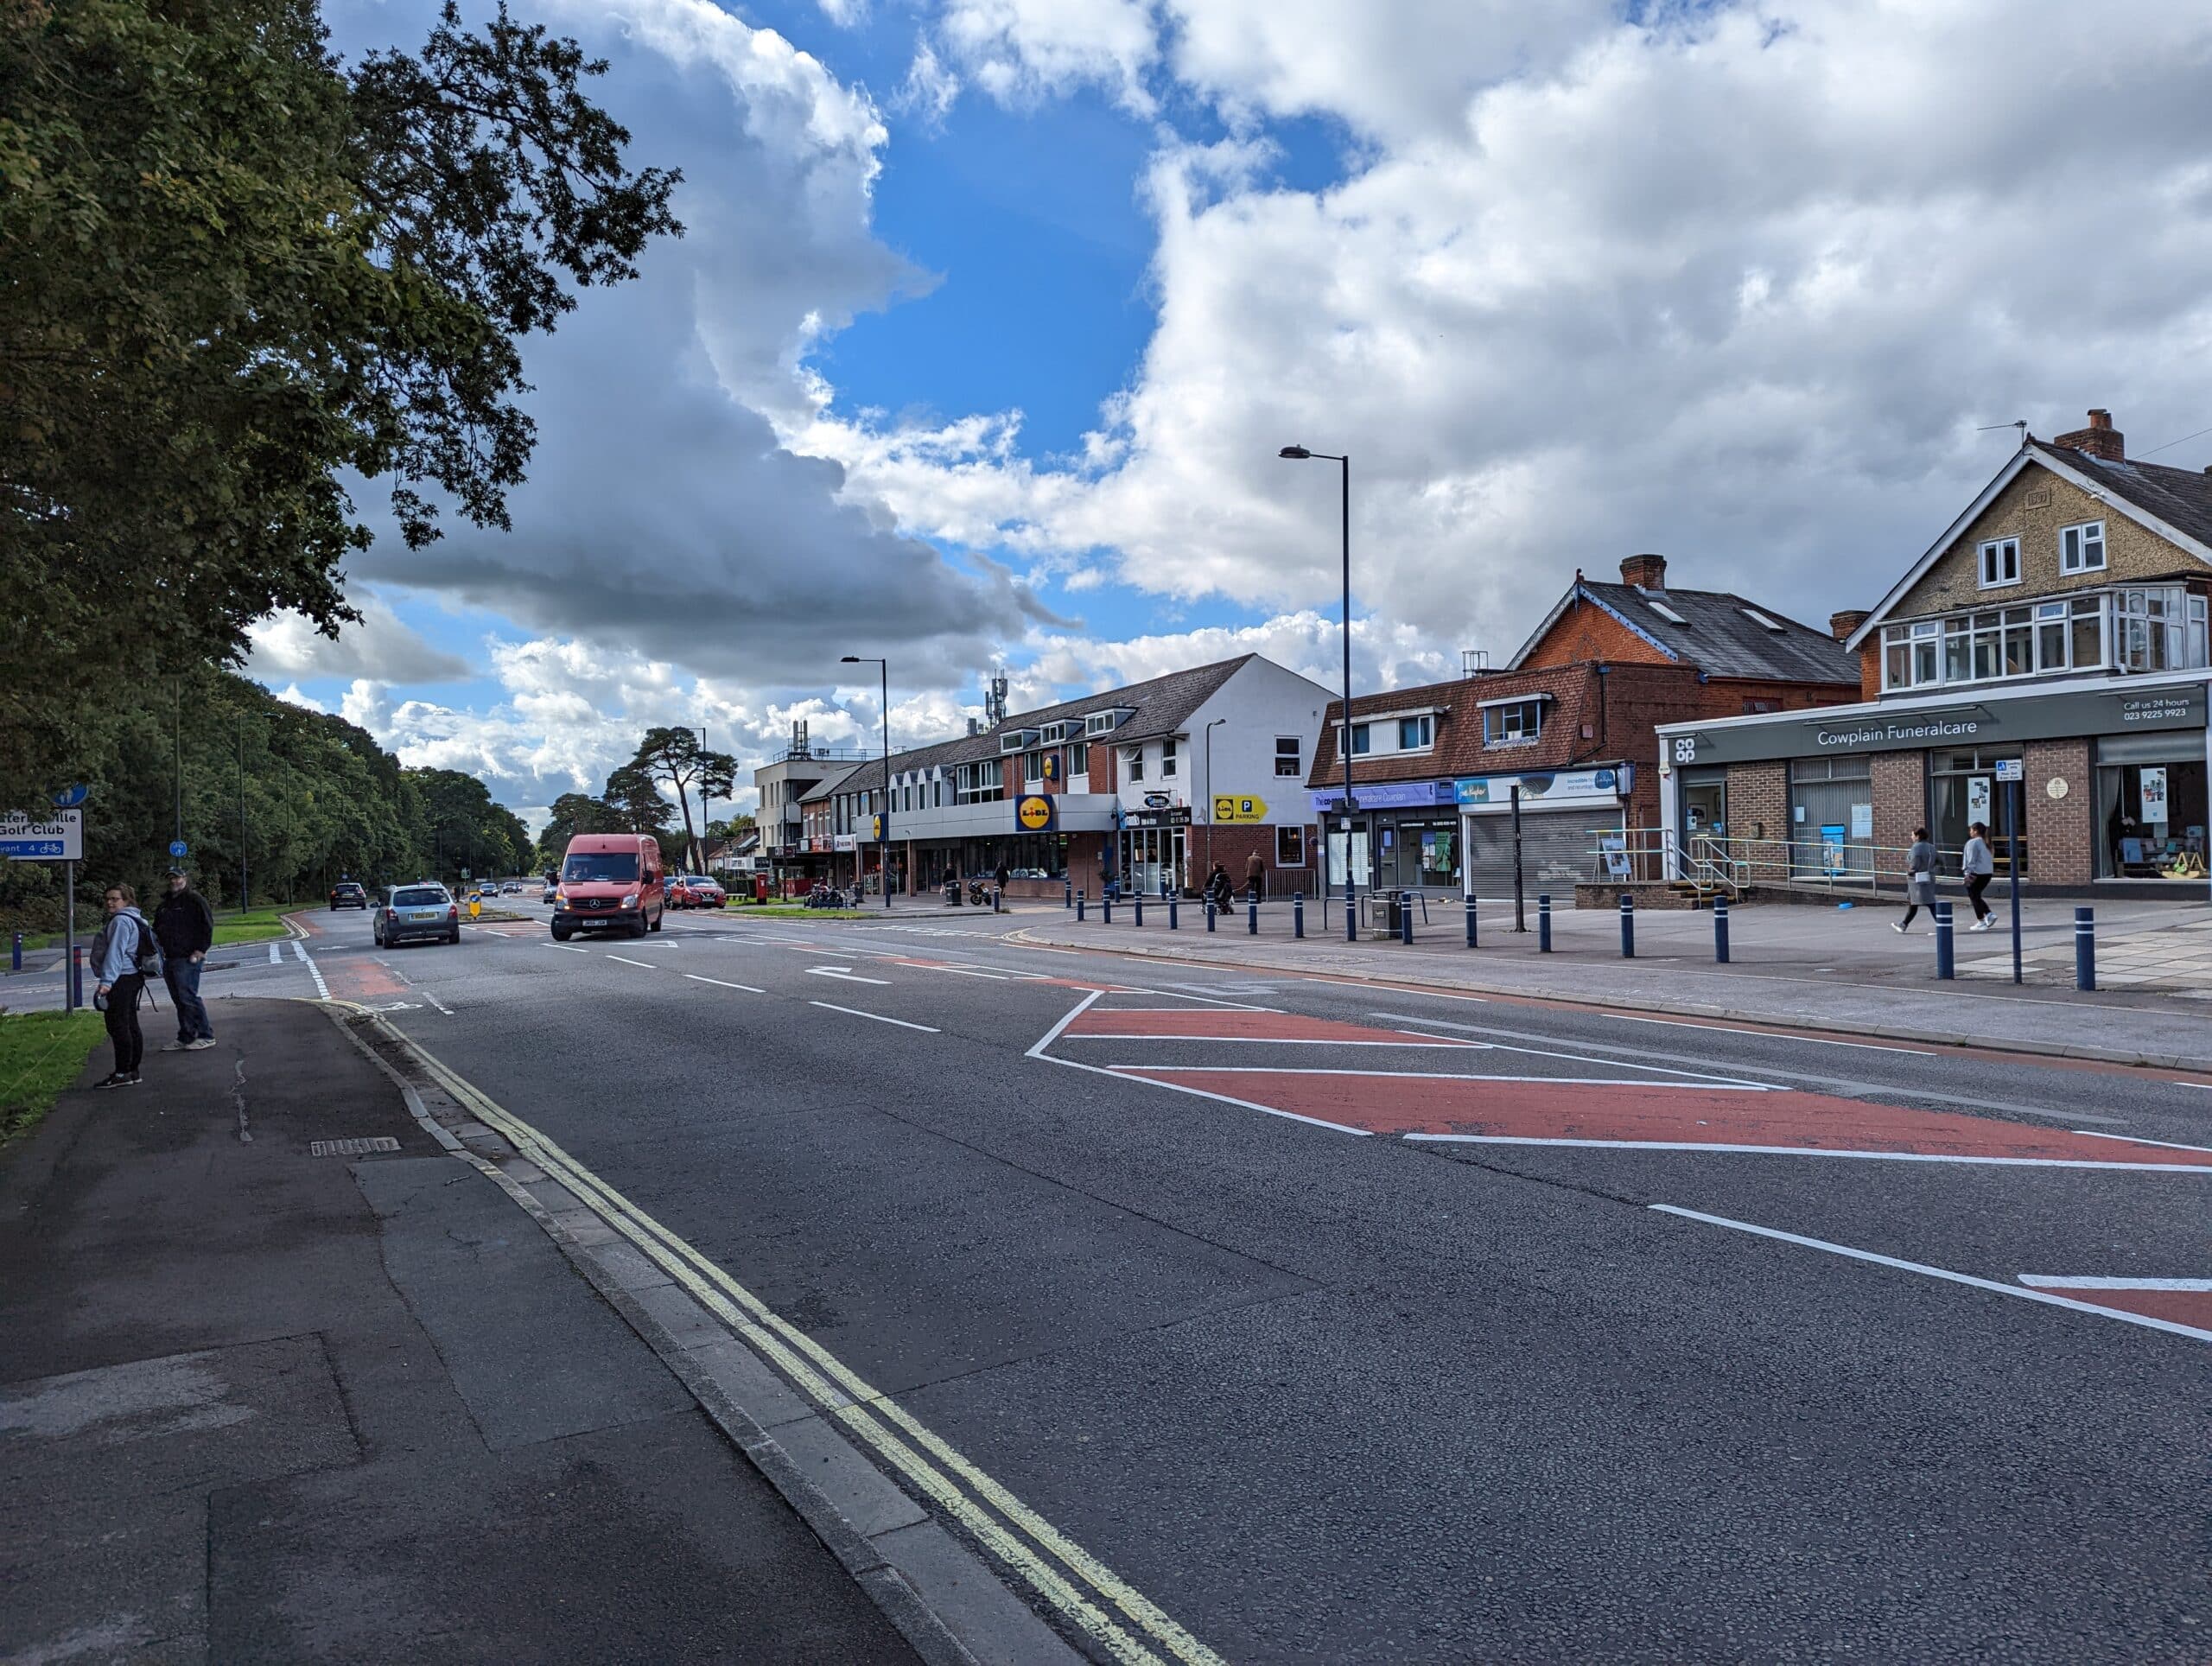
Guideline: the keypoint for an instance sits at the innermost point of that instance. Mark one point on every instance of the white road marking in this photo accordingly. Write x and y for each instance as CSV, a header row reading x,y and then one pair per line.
x,y
846,976
2046,1281
299,947
1806,1151
719,984
277,954
570,947
2013,1290
439,1004
626,961
2132,1139
856,1013
1453,1043
1728,1029
1454,1076
1632,1063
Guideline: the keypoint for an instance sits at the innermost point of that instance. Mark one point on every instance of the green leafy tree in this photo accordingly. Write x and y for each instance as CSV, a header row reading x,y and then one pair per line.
x,y
235,274
673,756
573,813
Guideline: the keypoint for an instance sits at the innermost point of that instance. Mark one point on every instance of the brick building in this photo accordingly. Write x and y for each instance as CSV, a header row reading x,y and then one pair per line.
x,y
2054,632
1568,725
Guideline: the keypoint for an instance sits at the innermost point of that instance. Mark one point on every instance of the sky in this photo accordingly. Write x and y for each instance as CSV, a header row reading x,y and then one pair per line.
x,y
991,317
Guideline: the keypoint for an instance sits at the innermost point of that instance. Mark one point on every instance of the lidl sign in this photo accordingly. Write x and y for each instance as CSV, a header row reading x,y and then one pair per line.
x,y
1035,812
1239,807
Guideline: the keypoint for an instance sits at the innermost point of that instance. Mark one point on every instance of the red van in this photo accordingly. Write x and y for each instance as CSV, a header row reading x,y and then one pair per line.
x,y
609,881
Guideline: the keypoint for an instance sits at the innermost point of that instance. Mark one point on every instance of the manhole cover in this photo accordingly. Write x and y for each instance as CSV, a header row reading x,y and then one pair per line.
x,y
353,1147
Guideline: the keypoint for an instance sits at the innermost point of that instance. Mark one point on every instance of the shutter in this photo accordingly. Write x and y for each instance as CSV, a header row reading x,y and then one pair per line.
x,y
1558,849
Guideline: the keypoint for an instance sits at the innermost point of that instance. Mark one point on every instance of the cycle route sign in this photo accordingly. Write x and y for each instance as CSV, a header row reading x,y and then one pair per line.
x,y
51,835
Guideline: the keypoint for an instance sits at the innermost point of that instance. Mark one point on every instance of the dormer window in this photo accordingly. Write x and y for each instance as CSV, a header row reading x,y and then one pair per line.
x,y
1999,563
2082,549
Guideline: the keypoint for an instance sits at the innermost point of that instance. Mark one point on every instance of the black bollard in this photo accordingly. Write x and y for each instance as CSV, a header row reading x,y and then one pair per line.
x,y
1070,903
1721,930
1469,902
1106,909
1543,922
1173,924
1252,918
1298,914
1628,925
1210,910
2085,948
1405,917
1945,966
1136,908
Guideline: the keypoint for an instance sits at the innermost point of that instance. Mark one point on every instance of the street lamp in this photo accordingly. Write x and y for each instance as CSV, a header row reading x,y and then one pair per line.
x,y
1300,454
1210,728
883,820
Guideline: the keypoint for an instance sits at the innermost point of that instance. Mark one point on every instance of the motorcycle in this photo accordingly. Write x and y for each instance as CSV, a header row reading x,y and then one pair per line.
x,y
979,894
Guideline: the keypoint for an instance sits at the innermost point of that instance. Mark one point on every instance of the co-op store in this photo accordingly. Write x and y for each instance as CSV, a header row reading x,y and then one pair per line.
x,y
2111,783
1458,833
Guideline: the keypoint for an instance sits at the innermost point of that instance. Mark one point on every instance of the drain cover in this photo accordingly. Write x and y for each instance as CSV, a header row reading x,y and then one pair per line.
x,y
353,1147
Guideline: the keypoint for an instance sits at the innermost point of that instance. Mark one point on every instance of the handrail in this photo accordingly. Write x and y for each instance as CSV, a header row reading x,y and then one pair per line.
x,y
1734,862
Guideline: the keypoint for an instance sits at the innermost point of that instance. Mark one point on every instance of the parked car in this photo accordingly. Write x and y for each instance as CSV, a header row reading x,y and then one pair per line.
x,y
349,893
705,892
418,912
610,881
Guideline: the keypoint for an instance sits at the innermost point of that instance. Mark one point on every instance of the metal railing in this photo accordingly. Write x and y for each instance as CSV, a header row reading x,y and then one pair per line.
x,y
1730,864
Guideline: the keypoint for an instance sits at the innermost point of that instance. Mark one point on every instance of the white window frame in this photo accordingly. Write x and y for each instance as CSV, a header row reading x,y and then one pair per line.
x,y
1493,732
1426,722
1984,553
1133,763
2086,534
1295,757
1032,766
1167,760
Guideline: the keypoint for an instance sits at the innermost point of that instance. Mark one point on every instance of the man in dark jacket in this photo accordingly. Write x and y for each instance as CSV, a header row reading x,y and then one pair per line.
x,y
185,927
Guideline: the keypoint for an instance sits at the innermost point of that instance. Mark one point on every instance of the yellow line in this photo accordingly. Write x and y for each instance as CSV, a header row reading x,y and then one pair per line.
x,y
848,1396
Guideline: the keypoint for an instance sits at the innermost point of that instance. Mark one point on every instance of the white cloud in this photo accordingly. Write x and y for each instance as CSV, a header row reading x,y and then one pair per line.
x,y
931,89
1018,51
380,646
293,694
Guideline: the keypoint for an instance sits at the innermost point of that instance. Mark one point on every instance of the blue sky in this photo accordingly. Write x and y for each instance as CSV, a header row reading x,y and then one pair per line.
x,y
993,314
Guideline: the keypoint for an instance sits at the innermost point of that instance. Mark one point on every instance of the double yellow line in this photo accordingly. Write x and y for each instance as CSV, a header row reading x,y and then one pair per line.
x,y
1067,1577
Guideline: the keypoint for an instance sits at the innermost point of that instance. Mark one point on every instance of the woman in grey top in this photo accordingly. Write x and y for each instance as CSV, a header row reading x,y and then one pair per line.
x,y
1979,866
1920,879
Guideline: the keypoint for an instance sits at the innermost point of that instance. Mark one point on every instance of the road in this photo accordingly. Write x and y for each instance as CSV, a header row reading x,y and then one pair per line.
x,y
1338,1321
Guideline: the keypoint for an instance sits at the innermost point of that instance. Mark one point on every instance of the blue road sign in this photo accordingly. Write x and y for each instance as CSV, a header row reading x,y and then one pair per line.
x,y
70,796
176,847
2009,769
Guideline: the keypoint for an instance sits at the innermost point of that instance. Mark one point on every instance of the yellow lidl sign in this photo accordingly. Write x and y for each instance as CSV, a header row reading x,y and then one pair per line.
x,y
1033,812
1237,807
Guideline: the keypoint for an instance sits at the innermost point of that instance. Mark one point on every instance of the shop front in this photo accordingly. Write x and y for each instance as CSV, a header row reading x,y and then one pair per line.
x,y
1570,827
1404,836
1154,844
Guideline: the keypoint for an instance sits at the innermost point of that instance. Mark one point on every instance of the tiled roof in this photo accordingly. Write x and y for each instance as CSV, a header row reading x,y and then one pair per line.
x,y
1717,633
2180,497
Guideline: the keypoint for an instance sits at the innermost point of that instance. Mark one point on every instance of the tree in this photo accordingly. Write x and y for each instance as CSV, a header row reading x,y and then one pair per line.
x,y
235,274
634,796
573,813
674,755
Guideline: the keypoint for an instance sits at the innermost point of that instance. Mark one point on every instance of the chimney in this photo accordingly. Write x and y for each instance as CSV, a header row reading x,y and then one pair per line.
x,y
2099,439
1841,625
1645,572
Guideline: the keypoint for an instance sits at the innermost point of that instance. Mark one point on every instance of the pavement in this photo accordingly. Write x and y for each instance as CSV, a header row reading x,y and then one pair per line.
x,y
1241,1312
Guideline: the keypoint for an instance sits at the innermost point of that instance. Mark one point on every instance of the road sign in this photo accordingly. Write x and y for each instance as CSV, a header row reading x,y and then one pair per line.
x,y
1237,807
178,848
1035,812
70,796
57,837
474,907
2011,769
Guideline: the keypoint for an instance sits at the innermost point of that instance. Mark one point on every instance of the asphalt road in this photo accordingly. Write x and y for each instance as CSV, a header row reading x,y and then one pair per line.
x,y
1345,1322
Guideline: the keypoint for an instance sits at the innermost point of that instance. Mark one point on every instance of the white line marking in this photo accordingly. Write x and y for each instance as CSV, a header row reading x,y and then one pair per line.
x,y
299,947
570,947
2132,1139
845,977
1812,1151
1631,1062
719,984
1270,1041
856,1013
439,1004
1454,1076
1392,989
277,954
2013,1290
960,971
1053,1035
1769,1035
2045,1281
626,961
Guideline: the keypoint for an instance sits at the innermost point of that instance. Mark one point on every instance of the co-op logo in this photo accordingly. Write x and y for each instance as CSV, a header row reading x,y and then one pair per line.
x,y
1686,748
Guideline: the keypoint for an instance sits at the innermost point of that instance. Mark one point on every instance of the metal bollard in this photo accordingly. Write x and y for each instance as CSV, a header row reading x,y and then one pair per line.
x,y
1543,922
1469,902
1945,966
1252,918
1628,925
998,900
1136,906
1172,924
2085,948
1080,898
1211,911
1721,930
1405,917
1106,910
1298,914
1070,903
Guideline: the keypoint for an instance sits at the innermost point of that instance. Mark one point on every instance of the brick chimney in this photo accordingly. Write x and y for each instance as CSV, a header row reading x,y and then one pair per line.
x,y
2099,439
1841,625
1645,572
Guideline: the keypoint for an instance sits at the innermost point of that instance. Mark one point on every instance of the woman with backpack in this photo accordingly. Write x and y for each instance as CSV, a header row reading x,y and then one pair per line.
x,y
120,957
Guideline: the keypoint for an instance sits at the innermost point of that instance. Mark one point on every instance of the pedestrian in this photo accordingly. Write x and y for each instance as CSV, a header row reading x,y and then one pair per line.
x,y
999,878
185,927
1919,880
1979,864
1217,887
1256,874
124,938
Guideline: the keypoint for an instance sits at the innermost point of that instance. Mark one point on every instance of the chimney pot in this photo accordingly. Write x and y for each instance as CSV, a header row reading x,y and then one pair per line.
x,y
1646,572
2099,439
1842,625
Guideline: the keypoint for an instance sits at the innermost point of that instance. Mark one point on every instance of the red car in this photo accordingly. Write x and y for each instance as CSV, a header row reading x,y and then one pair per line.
x,y
694,890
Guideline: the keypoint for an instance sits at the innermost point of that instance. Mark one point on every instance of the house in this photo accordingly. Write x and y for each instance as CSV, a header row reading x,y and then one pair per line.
x,y
783,784
1144,785
2048,649
1561,732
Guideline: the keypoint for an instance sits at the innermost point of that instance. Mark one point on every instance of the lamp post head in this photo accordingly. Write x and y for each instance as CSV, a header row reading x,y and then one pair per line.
x,y
850,660
1298,451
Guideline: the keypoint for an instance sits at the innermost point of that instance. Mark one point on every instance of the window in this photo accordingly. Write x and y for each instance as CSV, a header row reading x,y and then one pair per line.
x,y
1133,763
1166,760
1079,758
1665,611
1759,618
2082,549
1517,723
1416,733
1290,847
1762,705
2158,628
1360,739
1032,766
2000,563
1287,757
978,782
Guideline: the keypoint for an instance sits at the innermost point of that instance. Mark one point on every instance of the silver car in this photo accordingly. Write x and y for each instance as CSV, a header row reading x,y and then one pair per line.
x,y
423,911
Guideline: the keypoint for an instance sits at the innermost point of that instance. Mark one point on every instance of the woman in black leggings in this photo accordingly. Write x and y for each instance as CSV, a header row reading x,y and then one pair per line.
x,y
115,964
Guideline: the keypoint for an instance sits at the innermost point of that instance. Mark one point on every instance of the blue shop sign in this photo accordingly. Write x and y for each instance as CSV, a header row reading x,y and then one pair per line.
x,y
1389,795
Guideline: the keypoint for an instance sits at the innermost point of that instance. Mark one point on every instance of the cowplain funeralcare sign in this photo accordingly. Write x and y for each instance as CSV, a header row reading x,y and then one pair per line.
x,y
1998,722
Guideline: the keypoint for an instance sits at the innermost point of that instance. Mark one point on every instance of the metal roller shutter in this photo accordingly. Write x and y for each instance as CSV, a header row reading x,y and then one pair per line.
x,y
1557,850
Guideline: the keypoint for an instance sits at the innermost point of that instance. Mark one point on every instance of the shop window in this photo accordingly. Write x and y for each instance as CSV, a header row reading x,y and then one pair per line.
x,y
1416,733
1290,846
1832,821
2000,563
1514,724
2082,549
2151,807
1288,748
1963,789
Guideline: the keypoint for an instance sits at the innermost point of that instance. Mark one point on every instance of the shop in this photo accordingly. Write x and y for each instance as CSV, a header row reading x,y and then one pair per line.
x,y
1155,847
1405,836
2111,786
1570,827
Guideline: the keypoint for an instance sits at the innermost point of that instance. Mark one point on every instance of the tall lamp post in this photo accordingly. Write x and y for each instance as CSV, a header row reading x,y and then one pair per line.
x,y
883,820
1210,728
1300,454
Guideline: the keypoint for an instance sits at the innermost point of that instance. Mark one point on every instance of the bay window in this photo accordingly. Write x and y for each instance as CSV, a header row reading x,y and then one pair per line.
x,y
2146,628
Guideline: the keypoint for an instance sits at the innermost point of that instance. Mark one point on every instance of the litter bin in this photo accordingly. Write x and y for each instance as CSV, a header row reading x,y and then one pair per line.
x,y
1378,915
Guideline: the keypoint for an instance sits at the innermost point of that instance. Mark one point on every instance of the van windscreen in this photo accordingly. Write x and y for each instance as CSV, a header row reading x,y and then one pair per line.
x,y
600,866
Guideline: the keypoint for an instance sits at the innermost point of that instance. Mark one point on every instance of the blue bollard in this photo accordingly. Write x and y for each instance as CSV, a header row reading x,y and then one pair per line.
x,y
1172,924
1079,899
1543,922
1945,966
1210,914
1405,917
1721,930
2085,948
1470,903
1628,925
1106,909
1136,905
1252,918
1298,914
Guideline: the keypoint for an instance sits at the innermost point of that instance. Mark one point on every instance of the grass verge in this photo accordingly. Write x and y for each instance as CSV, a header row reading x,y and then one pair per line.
x,y
795,911
254,925
41,1055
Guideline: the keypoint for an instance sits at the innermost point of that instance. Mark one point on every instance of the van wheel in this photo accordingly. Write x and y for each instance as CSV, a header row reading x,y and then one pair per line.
x,y
658,920
560,934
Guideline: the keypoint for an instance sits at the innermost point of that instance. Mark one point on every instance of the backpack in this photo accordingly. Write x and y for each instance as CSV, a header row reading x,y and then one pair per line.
x,y
146,959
